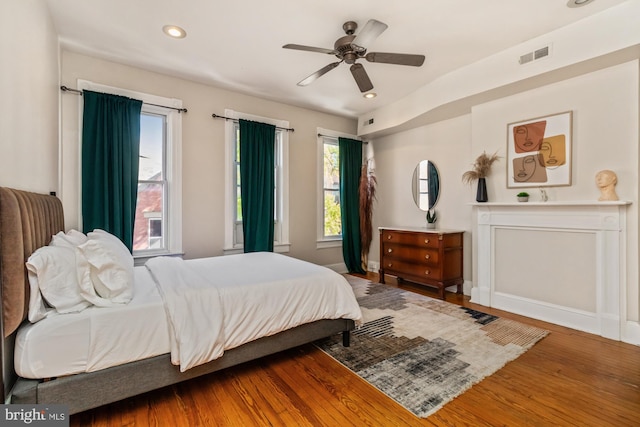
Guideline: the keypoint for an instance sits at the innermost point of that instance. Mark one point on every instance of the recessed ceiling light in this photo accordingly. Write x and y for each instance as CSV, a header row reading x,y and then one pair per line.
x,y
370,95
174,31
578,3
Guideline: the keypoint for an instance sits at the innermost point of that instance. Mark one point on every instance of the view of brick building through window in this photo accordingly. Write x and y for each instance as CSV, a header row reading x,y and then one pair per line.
x,y
148,229
148,221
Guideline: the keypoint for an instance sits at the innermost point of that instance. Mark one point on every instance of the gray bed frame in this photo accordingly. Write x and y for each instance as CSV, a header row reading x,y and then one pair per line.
x,y
27,222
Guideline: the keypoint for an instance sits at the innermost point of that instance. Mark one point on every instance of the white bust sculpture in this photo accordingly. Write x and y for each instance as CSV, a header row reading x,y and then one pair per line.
x,y
606,181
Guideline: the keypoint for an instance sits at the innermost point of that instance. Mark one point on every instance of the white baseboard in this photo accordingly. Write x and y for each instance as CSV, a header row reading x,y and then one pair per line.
x,y
631,332
480,296
338,268
606,326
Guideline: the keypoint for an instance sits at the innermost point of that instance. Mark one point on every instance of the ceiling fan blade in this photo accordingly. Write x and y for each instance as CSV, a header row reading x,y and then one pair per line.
x,y
362,79
309,48
322,71
369,33
395,58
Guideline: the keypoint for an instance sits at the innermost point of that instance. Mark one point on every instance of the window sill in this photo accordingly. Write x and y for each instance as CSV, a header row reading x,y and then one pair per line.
x,y
322,244
280,248
140,259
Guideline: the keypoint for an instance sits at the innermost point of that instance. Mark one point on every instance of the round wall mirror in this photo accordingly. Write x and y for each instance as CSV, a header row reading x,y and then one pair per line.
x,y
425,185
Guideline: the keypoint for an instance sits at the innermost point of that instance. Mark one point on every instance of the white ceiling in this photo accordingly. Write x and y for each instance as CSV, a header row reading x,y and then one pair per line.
x,y
237,45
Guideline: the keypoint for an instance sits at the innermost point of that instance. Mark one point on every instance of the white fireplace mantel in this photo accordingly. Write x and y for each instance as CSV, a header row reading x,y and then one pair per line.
x,y
561,262
525,205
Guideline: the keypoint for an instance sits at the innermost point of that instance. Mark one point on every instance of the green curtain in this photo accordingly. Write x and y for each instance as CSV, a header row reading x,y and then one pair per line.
x,y
257,184
350,167
110,151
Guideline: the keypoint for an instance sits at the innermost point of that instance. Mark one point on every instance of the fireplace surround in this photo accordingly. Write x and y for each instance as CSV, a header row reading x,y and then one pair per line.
x,y
561,262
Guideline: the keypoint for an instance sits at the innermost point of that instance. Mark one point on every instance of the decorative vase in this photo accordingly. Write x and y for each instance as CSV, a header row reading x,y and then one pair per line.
x,y
523,198
481,195
431,225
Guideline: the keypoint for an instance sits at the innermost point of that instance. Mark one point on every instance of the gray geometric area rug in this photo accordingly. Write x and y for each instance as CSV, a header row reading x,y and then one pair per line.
x,y
423,352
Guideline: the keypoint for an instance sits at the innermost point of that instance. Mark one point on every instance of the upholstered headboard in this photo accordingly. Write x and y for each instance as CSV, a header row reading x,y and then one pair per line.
x,y
27,222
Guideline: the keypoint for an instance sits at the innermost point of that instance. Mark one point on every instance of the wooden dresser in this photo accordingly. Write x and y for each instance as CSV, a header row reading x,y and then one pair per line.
x,y
428,257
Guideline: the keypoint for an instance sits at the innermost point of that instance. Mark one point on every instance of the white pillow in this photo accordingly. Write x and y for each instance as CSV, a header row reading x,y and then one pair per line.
x,y
37,308
110,266
70,239
52,273
87,289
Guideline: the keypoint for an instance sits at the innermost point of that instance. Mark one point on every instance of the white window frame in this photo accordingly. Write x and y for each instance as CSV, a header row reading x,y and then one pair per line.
x,y
172,226
281,231
156,111
321,240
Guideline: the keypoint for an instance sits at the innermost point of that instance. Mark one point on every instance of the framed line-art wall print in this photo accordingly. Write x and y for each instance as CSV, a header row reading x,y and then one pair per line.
x,y
539,151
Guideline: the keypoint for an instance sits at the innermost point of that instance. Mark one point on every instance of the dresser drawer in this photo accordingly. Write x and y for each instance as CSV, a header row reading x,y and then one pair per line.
x,y
408,269
423,257
429,240
411,253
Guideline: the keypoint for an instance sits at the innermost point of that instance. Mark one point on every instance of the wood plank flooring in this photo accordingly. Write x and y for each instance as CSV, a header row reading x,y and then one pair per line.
x,y
570,378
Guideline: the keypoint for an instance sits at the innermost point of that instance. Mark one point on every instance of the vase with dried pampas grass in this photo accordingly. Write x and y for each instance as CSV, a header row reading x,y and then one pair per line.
x,y
481,168
367,194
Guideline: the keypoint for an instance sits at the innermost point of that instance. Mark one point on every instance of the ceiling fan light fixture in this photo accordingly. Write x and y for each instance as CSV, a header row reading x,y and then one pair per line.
x,y
369,33
578,3
370,95
174,31
350,48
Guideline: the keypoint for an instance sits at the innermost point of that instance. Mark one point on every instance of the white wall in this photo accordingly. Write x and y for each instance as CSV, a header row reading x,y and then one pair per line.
x,y
448,145
605,136
605,130
29,97
600,40
203,153
605,107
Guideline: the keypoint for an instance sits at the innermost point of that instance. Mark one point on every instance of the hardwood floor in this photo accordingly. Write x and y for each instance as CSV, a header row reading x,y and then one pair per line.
x,y
570,378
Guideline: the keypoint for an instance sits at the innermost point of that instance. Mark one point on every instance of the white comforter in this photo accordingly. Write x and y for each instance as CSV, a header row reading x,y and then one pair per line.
x,y
219,303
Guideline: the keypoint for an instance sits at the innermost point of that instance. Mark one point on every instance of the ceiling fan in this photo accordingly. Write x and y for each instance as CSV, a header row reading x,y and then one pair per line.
x,y
352,47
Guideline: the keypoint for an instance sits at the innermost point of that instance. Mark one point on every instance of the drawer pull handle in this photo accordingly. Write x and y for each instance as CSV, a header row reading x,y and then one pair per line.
x,y
390,264
389,250
427,256
389,237
426,241
428,272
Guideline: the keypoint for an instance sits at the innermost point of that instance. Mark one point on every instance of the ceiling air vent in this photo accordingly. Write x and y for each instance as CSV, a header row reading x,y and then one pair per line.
x,y
527,57
541,53
535,55
368,122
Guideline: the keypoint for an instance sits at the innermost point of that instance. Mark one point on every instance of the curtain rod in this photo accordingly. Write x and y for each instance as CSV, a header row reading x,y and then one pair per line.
x,y
215,116
335,137
79,92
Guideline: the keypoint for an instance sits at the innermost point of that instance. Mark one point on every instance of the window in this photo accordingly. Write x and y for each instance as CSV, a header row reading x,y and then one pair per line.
x,y
155,233
329,216
152,184
158,227
278,185
332,221
158,222
233,232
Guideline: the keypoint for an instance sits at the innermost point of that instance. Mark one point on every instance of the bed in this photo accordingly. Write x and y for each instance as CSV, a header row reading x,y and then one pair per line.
x,y
87,367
